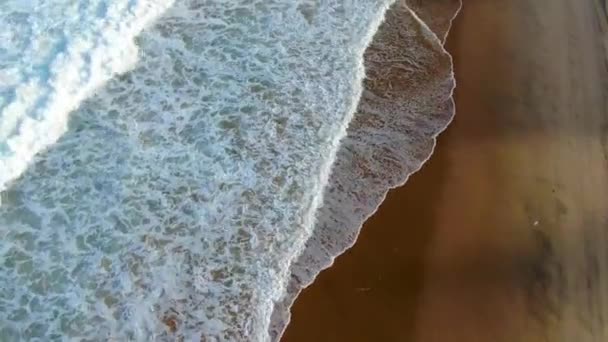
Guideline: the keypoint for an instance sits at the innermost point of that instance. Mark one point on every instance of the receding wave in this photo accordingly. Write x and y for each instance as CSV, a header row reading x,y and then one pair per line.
x,y
173,202
406,103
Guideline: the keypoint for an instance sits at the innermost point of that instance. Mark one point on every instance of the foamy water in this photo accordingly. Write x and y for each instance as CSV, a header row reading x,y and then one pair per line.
x,y
174,201
52,55
406,102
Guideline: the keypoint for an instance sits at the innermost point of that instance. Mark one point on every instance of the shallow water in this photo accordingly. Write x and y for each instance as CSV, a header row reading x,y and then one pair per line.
x,y
174,201
406,103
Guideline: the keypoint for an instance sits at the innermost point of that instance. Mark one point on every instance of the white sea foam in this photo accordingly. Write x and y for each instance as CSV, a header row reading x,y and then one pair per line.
x,y
406,103
181,190
53,54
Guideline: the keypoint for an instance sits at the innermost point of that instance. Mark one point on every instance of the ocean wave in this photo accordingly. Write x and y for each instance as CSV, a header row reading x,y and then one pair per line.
x,y
406,103
175,201
176,198
53,55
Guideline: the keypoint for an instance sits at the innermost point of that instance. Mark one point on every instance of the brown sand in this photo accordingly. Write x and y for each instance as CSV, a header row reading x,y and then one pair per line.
x,y
502,236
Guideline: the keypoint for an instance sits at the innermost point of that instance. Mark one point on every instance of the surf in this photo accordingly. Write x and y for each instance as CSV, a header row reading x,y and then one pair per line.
x,y
174,200
53,56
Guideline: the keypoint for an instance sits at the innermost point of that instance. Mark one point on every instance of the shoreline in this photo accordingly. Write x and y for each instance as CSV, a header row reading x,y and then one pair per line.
x,y
401,41
498,237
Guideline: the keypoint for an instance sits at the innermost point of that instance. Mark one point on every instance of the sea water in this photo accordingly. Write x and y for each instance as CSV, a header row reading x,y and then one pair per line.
x,y
181,189
160,188
53,54
406,102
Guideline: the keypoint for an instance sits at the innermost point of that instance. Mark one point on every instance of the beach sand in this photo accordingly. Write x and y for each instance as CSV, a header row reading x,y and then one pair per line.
x,y
503,234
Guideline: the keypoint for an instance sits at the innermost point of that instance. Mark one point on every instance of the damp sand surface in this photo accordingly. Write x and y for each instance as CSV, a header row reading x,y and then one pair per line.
x,y
502,236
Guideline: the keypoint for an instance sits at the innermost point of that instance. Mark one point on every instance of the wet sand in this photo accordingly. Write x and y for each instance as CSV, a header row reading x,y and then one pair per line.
x,y
503,235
